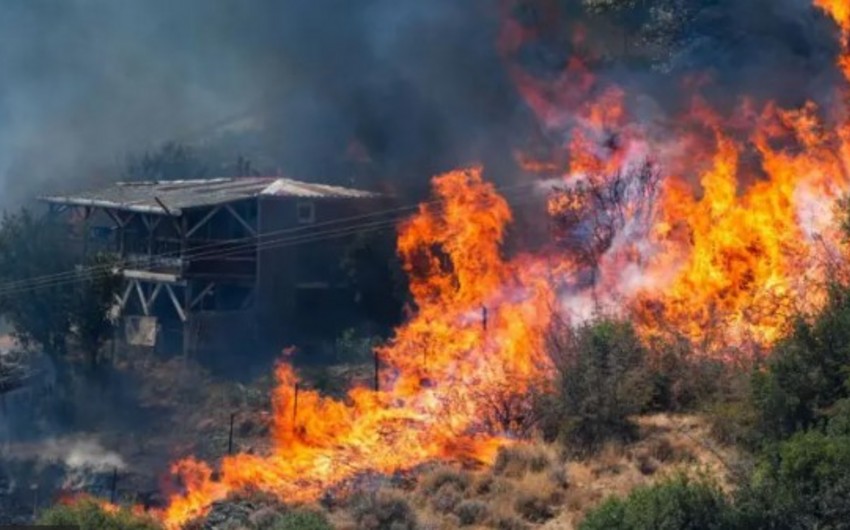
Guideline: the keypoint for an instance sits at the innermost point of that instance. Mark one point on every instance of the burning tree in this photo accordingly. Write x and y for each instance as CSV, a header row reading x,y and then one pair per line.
x,y
589,215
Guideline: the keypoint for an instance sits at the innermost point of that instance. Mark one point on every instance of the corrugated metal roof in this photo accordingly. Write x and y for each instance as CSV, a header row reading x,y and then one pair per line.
x,y
177,195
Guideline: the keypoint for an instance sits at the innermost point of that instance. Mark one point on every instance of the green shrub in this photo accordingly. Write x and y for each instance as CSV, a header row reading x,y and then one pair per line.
x,y
682,381
734,422
678,504
803,482
87,514
302,520
807,372
602,380
839,419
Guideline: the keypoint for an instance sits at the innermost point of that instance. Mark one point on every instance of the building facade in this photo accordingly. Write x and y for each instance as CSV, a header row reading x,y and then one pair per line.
x,y
214,263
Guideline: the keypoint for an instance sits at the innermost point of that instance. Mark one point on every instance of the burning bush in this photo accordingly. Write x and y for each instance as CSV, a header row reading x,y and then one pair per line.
x,y
602,380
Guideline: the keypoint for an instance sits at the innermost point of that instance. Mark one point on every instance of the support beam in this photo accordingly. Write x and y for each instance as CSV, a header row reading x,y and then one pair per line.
x,y
141,297
154,294
205,291
158,277
249,298
248,228
151,223
180,312
203,221
126,295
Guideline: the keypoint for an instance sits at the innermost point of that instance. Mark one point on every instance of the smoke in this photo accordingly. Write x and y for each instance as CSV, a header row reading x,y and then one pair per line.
x,y
86,82
416,87
77,454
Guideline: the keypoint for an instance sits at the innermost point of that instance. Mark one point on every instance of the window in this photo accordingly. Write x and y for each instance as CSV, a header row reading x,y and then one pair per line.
x,y
305,212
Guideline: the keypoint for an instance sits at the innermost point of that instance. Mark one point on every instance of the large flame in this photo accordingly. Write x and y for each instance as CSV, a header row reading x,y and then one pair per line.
x,y
682,231
476,337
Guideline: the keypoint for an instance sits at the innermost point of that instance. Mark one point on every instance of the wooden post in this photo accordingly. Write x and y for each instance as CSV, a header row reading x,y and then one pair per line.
x,y
484,317
230,437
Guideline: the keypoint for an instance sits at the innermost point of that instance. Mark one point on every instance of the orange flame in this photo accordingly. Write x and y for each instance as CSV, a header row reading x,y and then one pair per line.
x,y
477,333
723,261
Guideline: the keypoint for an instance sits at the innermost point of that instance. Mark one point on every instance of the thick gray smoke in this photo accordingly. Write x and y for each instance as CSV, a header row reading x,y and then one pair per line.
x,y
84,82
420,85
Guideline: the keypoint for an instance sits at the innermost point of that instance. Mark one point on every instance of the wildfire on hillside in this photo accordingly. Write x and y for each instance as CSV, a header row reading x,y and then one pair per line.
x,y
722,260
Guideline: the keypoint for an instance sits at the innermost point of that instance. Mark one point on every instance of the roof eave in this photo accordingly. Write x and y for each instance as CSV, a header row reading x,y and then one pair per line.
x,y
138,208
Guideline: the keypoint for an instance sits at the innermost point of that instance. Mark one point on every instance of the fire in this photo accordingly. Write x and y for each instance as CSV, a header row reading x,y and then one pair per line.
x,y
718,230
477,337
740,232
839,10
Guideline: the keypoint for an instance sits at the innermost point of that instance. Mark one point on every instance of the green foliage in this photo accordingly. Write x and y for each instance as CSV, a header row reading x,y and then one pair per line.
x,y
677,504
602,381
88,515
45,298
30,249
684,381
839,419
807,372
734,422
803,482
95,291
302,520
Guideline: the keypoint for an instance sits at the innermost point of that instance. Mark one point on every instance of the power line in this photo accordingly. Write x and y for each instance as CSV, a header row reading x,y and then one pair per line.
x,y
215,249
217,244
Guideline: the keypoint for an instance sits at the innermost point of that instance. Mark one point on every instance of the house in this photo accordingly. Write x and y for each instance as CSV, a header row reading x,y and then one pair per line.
x,y
214,263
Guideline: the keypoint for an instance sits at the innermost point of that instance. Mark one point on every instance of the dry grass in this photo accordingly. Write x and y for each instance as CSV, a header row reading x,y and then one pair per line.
x,y
530,486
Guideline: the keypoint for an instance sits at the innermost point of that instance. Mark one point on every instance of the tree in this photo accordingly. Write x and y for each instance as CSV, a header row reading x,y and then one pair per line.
x,y
803,482
45,296
808,371
91,320
35,292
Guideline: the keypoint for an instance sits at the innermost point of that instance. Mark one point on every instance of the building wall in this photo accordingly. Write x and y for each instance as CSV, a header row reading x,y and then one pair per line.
x,y
299,265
